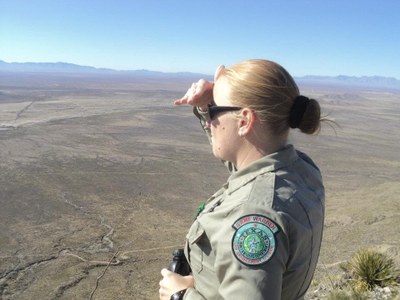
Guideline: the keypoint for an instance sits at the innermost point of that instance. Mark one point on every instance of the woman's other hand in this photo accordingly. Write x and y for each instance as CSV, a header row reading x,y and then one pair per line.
x,y
172,283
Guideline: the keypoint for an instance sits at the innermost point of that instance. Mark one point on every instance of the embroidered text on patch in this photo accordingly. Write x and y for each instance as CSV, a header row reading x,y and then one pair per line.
x,y
254,240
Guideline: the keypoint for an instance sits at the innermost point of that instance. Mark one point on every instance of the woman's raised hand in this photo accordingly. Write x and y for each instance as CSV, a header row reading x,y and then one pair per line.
x,y
200,94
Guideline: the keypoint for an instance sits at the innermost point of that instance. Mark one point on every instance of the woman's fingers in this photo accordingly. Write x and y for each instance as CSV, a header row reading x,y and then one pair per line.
x,y
172,283
167,286
165,272
198,94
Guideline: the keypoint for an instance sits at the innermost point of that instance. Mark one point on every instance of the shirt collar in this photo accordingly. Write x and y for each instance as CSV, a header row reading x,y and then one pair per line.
x,y
268,163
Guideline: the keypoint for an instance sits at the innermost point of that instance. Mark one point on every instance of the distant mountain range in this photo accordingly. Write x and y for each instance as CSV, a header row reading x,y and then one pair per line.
x,y
352,81
61,67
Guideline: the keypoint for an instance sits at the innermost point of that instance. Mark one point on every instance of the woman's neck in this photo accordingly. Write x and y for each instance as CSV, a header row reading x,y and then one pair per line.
x,y
254,148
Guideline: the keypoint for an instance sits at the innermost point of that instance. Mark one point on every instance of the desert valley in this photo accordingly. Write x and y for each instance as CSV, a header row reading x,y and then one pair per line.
x,y
100,177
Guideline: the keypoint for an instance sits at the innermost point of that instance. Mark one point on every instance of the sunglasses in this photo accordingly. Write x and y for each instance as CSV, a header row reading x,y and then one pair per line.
x,y
214,110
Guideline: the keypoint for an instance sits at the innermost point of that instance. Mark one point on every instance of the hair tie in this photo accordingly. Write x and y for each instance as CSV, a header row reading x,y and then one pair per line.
x,y
297,111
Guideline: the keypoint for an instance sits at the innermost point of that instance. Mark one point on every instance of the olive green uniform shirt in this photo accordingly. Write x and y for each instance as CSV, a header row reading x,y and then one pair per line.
x,y
284,190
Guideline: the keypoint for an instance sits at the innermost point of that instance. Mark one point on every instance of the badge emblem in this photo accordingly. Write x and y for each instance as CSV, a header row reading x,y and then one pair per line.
x,y
254,240
200,209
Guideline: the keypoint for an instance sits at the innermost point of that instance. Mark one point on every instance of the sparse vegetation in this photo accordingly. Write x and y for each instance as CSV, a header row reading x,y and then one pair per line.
x,y
367,275
368,269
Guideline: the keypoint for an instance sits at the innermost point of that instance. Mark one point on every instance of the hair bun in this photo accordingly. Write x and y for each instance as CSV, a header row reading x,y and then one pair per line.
x,y
297,111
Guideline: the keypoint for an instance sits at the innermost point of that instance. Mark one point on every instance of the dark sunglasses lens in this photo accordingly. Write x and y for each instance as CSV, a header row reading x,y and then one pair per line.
x,y
211,113
214,110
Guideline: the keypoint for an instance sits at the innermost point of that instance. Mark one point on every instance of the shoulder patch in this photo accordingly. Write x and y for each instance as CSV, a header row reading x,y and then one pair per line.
x,y
253,242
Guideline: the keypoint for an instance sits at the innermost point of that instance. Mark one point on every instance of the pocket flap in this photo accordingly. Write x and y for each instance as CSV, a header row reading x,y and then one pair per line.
x,y
195,233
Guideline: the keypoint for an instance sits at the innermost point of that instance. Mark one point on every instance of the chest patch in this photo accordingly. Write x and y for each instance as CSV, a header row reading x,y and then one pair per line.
x,y
253,242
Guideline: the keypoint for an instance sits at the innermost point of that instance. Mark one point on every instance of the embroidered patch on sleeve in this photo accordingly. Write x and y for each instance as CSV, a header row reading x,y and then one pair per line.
x,y
253,242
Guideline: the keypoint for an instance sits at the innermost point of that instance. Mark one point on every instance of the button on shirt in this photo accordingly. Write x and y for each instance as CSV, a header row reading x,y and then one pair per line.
x,y
284,188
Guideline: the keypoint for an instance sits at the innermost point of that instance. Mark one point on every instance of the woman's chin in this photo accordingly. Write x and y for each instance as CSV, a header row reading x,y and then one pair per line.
x,y
216,153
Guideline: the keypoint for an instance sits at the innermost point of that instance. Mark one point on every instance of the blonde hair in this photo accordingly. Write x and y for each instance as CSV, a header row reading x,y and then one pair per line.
x,y
269,90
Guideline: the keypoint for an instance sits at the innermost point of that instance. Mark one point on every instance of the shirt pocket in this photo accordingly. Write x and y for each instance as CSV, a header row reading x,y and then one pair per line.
x,y
196,255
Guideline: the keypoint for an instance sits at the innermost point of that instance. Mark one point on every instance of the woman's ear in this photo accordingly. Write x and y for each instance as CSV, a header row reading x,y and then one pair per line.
x,y
246,121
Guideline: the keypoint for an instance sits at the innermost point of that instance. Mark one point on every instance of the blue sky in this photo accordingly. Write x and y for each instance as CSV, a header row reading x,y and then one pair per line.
x,y
307,37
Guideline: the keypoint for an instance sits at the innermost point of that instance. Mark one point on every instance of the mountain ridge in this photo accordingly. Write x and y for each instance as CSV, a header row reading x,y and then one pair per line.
x,y
63,67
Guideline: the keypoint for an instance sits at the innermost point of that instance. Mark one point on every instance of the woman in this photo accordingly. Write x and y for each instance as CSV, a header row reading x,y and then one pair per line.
x,y
259,236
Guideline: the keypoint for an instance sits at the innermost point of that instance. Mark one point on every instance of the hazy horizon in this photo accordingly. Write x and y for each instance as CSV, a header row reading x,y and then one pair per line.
x,y
64,64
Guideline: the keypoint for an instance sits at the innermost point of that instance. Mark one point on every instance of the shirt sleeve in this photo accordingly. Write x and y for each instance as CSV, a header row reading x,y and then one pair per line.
x,y
193,294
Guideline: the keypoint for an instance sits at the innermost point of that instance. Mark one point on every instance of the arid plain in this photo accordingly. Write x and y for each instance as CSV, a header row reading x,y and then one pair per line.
x,y
100,177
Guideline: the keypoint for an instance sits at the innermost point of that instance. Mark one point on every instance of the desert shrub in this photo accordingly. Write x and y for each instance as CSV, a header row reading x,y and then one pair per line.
x,y
368,268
